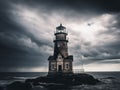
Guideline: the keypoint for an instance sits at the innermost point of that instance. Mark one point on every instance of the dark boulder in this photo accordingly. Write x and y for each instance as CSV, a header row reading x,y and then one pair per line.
x,y
84,79
17,85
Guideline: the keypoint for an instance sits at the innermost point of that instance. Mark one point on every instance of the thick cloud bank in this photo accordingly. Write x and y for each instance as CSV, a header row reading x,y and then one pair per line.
x,y
27,30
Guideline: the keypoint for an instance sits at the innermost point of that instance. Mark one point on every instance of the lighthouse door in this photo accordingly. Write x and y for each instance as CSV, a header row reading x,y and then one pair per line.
x,y
60,68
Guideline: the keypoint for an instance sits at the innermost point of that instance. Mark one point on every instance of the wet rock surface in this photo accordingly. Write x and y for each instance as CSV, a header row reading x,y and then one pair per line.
x,y
51,81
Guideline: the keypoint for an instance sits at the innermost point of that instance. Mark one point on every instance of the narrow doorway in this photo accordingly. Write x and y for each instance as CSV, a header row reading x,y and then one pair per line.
x,y
60,68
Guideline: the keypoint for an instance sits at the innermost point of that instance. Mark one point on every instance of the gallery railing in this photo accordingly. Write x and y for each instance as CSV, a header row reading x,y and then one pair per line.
x,y
77,71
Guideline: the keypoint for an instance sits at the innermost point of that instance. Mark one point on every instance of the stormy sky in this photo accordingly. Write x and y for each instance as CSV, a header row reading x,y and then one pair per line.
x,y
27,31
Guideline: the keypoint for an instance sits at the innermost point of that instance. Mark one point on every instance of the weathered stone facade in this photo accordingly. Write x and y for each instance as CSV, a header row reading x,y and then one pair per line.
x,y
60,62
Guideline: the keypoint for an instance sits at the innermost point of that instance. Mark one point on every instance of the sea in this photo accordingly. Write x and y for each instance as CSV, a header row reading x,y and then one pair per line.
x,y
109,80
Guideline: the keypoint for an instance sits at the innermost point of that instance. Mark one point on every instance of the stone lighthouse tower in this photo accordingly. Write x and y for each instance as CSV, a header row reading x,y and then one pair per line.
x,y
61,61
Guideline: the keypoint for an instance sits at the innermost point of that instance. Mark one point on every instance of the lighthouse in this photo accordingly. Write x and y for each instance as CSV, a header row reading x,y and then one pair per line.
x,y
60,62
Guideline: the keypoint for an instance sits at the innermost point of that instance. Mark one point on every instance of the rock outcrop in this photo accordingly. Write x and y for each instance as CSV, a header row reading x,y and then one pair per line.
x,y
66,79
50,81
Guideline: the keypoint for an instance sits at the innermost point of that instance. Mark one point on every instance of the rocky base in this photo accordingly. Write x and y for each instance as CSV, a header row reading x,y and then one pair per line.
x,y
17,85
54,80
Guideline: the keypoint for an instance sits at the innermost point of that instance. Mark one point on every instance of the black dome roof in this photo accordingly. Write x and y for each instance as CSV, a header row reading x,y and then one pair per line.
x,y
60,27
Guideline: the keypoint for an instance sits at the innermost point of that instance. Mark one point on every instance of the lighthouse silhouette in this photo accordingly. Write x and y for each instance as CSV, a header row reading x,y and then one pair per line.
x,y
60,62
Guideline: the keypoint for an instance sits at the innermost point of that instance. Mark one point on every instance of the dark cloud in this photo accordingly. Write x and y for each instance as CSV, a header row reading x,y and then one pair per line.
x,y
21,48
13,53
104,5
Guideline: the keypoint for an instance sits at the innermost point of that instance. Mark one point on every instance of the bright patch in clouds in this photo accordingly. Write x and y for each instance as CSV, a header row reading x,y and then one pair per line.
x,y
88,30
102,67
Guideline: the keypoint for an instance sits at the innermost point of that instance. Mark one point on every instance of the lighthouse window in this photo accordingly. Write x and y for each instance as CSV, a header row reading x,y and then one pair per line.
x,y
67,65
60,57
52,66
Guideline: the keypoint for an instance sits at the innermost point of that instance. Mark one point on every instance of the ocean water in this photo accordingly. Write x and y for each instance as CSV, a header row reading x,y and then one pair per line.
x,y
109,81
